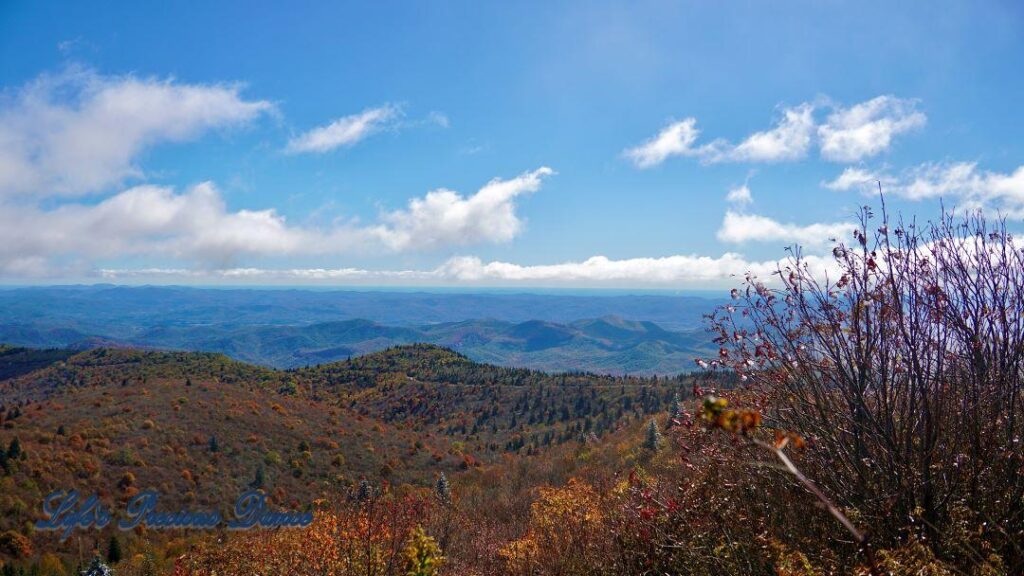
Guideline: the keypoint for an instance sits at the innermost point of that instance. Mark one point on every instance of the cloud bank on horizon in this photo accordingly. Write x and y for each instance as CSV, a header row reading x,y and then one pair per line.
x,y
97,183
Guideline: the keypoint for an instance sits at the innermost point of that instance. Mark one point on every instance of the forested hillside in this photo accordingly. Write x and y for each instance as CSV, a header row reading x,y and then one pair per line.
x,y
200,428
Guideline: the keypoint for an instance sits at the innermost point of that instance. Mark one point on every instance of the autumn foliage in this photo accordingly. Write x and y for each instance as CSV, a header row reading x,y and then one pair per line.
x,y
376,534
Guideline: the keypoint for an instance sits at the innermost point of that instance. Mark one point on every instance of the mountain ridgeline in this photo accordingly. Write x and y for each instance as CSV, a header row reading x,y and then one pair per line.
x,y
608,345
288,329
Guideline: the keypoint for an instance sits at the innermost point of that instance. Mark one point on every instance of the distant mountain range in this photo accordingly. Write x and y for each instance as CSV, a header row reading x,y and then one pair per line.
x,y
292,328
607,345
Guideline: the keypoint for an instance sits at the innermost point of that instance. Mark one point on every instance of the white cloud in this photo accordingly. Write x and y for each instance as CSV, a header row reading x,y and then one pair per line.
x,y
348,130
963,180
196,226
739,196
739,228
789,140
665,270
867,129
148,221
78,132
961,183
848,135
679,270
444,217
676,139
438,118
858,178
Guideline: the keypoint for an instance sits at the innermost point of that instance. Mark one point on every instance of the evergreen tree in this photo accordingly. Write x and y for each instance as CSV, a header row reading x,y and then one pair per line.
x,y
654,439
259,480
443,490
14,449
675,411
114,550
97,568
365,491
213,444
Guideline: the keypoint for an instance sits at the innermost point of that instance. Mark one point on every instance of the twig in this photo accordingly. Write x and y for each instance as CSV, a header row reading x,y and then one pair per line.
x,y
858,535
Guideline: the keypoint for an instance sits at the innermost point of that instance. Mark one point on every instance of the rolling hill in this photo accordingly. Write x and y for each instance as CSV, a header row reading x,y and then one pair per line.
x,y
201,427
610,345
607,345
281,328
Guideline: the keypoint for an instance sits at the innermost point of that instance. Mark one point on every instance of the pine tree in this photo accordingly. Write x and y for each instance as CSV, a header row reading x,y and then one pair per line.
x,y
97,568
14,449
675,411
114,550
443,490
654,440
213,444
365,491
258,481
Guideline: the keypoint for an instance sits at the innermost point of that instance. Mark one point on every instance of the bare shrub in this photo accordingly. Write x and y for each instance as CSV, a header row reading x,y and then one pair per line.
x,y
902,368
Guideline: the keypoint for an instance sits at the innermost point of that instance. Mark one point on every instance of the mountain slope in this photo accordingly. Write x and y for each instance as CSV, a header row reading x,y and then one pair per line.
x,y
200,427
164,408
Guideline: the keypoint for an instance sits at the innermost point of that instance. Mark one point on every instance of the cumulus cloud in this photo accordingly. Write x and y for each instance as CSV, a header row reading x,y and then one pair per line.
x,y
848,135
867,129
788,140
595,271
348,130
196,226
79,132
738,228
676,139
149,221
960,182
739,196
858,179
444,217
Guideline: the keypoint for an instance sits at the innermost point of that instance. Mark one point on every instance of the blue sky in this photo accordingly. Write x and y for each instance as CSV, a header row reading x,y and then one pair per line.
x,y
575,144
